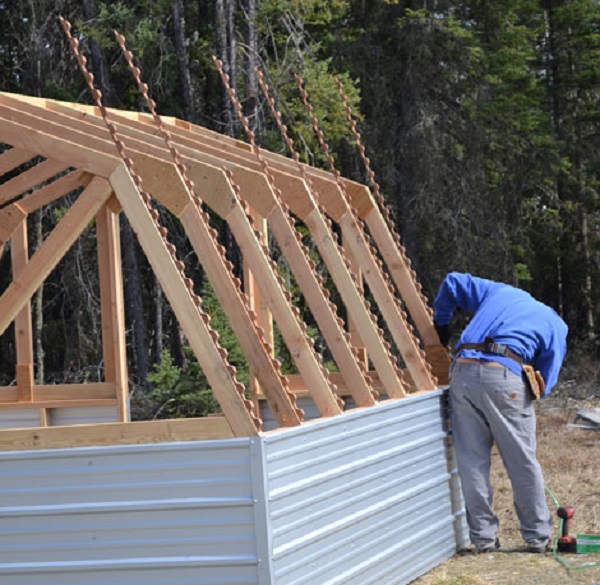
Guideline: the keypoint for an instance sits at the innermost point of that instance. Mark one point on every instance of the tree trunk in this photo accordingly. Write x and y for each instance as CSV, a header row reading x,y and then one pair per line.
x,y
225,45
250,60
99,65
158,322
182,61
587,287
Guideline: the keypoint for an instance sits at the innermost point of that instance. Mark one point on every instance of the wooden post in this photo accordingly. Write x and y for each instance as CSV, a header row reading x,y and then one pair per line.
x,y
23,326
112,306
264,318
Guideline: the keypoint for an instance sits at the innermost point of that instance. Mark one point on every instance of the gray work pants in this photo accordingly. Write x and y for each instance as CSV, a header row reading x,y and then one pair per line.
x,y
489,403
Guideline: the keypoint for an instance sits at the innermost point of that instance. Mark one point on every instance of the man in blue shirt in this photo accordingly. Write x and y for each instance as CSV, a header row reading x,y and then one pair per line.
x,y
490,400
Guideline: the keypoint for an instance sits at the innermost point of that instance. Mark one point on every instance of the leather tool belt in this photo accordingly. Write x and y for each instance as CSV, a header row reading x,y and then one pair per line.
x,y
488,346
534,378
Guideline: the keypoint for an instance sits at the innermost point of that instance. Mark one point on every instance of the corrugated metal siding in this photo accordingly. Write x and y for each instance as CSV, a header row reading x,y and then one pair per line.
x,y
176,513
365,498
306,404
26,418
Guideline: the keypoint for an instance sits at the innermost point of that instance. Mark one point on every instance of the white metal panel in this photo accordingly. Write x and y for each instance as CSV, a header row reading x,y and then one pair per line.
x,y
173,513
19,418
356,499
306,404
29,418
83,416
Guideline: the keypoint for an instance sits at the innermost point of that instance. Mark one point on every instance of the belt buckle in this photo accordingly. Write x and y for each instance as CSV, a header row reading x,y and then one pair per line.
x,y
496,348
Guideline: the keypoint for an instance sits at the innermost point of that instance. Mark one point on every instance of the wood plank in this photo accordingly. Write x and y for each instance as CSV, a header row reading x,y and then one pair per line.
x,y
286,318
11,218
30,178
331,326
112,306
136,433
208,354
46,404
62,392
396,322
25,382
55,190
20,291
23,326
354,302
353,328
13,158
229,296
48,145
403,277
256,301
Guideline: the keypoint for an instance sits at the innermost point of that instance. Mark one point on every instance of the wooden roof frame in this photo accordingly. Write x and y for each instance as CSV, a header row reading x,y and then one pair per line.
x,y
80,153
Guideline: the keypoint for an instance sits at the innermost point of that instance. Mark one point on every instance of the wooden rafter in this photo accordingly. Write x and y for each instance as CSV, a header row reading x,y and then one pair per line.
x,y
74,141
13,158
196,329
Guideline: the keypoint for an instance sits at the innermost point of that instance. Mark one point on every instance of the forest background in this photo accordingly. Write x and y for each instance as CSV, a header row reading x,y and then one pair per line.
x,y
481,120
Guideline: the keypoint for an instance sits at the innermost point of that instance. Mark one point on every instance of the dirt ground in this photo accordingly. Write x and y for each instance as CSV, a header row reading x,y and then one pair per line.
x,y
570,459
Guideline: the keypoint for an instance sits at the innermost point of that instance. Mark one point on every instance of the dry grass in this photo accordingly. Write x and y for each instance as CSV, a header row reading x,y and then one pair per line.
x,y
570,459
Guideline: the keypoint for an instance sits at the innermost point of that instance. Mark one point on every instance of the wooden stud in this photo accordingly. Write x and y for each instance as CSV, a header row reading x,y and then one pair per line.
x,y
135,433
264,318
112,305
23,327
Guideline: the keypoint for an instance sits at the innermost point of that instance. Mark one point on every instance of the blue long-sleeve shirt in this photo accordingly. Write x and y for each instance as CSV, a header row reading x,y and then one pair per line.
x,y
511,317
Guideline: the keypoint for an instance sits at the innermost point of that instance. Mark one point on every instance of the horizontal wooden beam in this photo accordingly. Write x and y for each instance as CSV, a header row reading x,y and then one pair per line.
x,y
37,404
158,431
58,393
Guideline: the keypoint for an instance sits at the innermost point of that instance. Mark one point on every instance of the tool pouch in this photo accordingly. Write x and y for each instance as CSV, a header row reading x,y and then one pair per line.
x,y
534,381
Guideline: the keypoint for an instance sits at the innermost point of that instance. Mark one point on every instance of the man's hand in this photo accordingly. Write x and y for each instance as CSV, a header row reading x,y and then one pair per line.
x,y
444,332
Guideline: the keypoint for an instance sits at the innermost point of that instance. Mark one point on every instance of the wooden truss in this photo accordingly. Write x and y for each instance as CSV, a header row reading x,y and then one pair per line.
x,y
78,152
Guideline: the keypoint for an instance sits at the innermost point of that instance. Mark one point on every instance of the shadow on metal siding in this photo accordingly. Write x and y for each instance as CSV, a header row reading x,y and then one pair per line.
x,y
350,496
168,513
